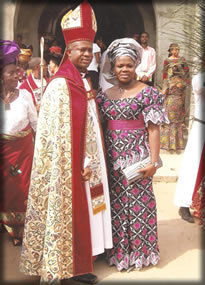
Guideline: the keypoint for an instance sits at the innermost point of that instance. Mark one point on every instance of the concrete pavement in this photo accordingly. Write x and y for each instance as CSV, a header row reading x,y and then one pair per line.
x,y
180,243
171,167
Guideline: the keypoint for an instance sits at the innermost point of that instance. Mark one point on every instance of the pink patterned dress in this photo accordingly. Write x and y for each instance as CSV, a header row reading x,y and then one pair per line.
x,y
133,206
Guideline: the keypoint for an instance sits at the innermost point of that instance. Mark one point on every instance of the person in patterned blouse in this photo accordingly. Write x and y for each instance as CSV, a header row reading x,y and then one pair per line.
x,y
133,112
175,80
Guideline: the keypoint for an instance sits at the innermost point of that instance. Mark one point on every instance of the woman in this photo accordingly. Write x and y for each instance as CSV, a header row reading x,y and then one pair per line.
x,y
23,60
190,185
18,120
54,60
133,112
175,81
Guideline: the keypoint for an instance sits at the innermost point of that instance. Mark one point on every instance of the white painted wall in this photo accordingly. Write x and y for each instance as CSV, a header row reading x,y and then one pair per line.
x,y
26,20
7,8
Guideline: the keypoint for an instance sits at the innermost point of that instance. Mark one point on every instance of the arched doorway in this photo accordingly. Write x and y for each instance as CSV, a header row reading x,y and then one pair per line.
x,y
114,20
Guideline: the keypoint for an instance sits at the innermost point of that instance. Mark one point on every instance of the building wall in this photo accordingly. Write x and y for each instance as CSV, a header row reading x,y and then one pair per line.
x,y
26,20
7,8
174,24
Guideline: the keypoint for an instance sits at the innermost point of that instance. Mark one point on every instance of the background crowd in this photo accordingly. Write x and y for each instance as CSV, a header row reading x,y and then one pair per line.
x,y
175,80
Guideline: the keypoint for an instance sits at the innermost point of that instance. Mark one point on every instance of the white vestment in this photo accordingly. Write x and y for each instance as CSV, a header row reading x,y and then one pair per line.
x,y
194,147
101,228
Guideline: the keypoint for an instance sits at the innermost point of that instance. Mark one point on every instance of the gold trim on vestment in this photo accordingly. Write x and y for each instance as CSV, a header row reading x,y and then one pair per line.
x,y
99,209
92,152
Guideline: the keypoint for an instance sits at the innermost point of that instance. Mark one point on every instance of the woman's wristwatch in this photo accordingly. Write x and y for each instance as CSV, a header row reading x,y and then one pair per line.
x,y
155,164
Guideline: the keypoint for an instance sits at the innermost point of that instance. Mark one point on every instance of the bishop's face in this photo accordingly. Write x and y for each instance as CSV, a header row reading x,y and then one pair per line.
x,y
80,54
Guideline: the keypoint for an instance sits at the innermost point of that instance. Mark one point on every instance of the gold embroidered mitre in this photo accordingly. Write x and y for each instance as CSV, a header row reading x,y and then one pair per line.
x,y
79,24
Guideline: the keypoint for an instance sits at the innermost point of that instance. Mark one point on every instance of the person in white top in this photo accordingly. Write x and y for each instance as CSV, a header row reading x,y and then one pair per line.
x,y
17,127
147,67
94,65
33,82
193,151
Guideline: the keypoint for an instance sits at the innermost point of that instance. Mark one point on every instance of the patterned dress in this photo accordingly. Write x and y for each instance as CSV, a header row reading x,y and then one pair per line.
x,y
175,79
133,206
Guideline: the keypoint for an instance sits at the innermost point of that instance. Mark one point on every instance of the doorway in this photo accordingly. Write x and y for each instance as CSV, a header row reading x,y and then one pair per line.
x,y
114,20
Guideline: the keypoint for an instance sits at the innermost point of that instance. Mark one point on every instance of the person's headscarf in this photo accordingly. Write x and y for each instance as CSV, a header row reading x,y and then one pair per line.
x,y
55,50
9,51
172,46
25,54
120,47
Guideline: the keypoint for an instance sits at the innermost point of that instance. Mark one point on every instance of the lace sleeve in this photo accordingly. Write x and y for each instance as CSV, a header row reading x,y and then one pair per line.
x,y
153,107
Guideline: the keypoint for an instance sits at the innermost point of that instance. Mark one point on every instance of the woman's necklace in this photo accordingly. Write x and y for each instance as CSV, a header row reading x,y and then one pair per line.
x,y
122,91
10,97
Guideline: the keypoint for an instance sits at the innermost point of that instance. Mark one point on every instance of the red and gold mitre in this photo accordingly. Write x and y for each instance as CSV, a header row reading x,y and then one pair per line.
x,y
79,24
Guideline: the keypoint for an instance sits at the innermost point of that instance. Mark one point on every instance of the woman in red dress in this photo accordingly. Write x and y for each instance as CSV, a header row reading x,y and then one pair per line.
x,y
17,127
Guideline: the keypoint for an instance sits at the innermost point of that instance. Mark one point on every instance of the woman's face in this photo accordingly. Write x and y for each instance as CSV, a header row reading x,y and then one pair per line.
x,y
52,67
124,69
175,51
23,64
10,76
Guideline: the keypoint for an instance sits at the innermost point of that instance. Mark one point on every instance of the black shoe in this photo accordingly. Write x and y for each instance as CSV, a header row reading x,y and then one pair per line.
x,y
86,278
186,215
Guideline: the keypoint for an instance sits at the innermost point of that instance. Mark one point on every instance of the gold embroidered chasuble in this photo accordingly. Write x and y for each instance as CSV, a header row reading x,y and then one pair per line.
x,y
47,246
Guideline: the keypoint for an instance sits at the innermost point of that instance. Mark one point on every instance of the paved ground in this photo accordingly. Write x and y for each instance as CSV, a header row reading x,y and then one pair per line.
x,y
180,243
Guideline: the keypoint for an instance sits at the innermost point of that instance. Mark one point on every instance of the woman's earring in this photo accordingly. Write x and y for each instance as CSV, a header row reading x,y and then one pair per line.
x,y
112,73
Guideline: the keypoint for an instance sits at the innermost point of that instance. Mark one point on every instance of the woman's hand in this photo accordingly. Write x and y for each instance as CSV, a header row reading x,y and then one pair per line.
x,y
86,174
150,170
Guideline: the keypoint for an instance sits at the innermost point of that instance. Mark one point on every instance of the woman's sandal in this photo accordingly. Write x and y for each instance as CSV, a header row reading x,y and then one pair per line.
x,y
16,242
